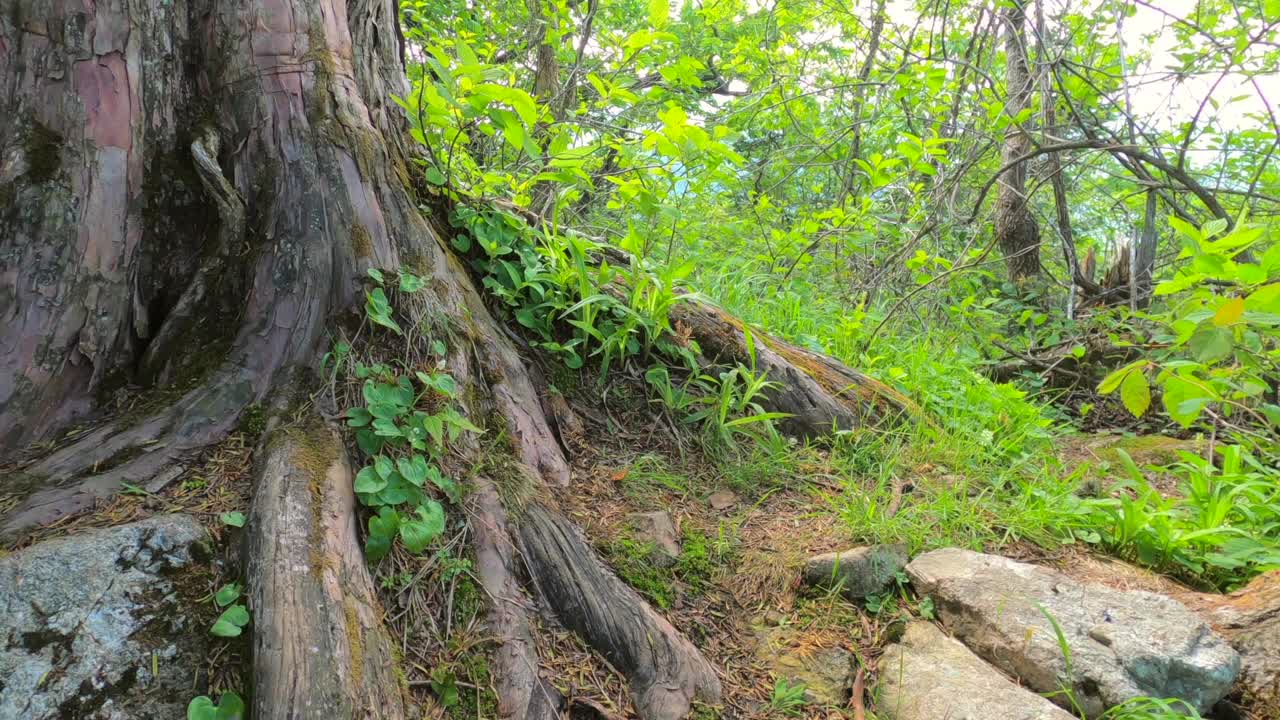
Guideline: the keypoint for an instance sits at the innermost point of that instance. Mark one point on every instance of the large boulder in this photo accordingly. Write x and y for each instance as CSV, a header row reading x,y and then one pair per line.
x,y
927,676
93,625
859,572
1122,644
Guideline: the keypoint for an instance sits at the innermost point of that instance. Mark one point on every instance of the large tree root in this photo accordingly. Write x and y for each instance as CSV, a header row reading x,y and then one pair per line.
x,y
666,672
319,646
522,693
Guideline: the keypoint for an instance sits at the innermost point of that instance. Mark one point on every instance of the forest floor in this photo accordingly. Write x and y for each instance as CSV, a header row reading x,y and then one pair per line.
x,y
745,524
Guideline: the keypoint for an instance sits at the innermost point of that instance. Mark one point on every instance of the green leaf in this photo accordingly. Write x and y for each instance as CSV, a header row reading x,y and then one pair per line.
x,y
435,177
1135,393
659,13
1184,398
368,480
411,283
234,518
202,708
413,469
227,594
1210,343
418,533
384,466
358,417
230,707
1265,299
231,622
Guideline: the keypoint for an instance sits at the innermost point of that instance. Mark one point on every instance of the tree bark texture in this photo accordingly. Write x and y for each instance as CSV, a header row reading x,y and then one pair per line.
x,y
320,649
1016,229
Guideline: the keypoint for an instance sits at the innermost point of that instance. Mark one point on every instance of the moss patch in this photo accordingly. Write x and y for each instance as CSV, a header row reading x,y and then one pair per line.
x,y
42,151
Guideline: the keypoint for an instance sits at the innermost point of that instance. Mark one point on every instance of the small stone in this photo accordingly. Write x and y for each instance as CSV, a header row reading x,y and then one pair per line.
x,y
826,673
722,500
859,572
1124,644
657,529
927,676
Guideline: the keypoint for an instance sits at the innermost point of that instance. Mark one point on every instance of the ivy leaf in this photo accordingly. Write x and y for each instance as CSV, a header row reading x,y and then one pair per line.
x,y
369,481
234,518
230,707
414,469
384,466
418,533
227,594
358,417
202,708
1135,393
231,622
411,283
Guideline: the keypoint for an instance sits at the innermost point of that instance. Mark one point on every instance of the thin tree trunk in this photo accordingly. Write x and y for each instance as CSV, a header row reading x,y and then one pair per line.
x,y
1016,229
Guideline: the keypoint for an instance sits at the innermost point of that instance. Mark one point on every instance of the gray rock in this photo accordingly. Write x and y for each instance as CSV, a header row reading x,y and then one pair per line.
x,y
87,619
859,572
1123,644
927,676
826,673
657,529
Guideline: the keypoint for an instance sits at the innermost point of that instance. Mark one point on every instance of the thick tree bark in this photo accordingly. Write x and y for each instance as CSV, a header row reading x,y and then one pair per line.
x,y
319,646
666,671
1016,229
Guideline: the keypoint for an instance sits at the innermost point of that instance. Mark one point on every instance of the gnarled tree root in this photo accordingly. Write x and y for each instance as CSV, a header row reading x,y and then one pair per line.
x,y
319,646
522,693
666,672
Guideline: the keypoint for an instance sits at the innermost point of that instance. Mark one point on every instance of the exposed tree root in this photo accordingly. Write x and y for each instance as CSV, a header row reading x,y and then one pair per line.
x,y
319,646
522,693
666,672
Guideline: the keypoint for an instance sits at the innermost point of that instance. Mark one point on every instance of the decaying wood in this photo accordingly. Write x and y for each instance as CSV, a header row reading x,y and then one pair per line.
x,y
522,693
818,392
666,672
319,646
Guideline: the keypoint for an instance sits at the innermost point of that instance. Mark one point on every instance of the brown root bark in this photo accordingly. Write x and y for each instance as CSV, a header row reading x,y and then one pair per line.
x,y
522,693
666,672
319,646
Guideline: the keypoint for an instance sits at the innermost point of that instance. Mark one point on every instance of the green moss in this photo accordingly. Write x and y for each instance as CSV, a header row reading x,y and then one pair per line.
x,y
361,241
42,151
253,421
631,562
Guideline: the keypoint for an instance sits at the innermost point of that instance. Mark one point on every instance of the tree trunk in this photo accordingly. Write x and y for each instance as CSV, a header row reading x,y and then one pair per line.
x,y
193,191
1016,229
